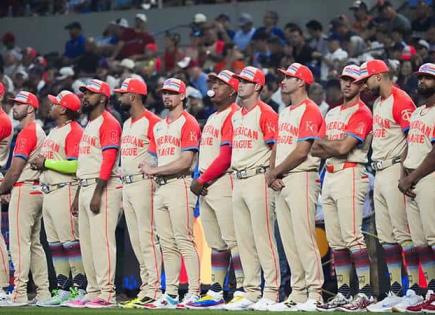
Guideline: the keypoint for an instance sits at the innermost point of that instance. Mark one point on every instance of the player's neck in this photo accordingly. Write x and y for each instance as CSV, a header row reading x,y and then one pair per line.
x,y
224,105
96,112
430,101
62,121
386,89
136,111
175,113
298,97
27,120
351,102
249,103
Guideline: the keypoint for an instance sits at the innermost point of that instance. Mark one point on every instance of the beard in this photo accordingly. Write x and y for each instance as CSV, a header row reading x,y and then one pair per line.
x,y
124,106
87,108
425,91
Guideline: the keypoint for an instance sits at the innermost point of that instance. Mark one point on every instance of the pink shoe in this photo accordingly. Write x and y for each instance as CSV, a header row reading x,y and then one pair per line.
x,y
77,303
99,303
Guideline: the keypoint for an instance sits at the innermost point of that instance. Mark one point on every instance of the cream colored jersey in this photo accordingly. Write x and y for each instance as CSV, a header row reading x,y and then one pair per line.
x,y
253,133
421,136
135,139
218,125
390,124
28,145
355,121
61,144
6,134
100,134
173,138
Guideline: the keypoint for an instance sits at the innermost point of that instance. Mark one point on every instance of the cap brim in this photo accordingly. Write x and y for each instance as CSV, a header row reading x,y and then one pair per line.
x,y
363,78
62,77
120,91
284,72
348,76
53,99
170,90
238,77
84,88
418,73
13,99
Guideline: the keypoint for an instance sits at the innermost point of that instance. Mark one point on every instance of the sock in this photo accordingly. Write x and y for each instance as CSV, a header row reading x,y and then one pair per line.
x,y
216,287
220,261
60,262
343,267
393,258
427,261
80,281
237,267
360,258
411,257
72,250
63,282
431,283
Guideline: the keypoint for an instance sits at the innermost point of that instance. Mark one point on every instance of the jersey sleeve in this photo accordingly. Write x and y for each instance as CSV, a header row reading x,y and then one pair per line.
x,y
72,141
433,134
190,135
269,126
322,130
359,125
310,124
227,131
403,108
25,143
5,128
152,149
110,134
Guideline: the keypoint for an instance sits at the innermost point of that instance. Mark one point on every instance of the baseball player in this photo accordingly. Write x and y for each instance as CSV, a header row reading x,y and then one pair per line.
x,y
98,198
298,189
137,193
58,163
25,207
254,133
214,187
391,113
6,133
345,147
175,144
419,184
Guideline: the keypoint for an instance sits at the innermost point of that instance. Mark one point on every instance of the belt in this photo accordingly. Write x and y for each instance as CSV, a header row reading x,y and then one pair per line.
x,y
332,168
130,179
163,180
47,188
26,182
246,173
381,165
85,182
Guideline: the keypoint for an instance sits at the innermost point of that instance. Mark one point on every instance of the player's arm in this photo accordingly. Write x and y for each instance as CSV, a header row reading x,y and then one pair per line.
x,y
179,166
294,159
336,148
318,151
12,175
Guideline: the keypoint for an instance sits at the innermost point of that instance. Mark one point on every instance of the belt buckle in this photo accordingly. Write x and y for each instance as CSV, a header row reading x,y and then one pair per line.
x,y
379,164
260,170
161,181
128,179
242,174
84,182
45,189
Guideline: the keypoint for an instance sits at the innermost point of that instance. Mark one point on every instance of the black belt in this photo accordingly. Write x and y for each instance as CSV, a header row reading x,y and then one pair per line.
x,y
48,188
163,180
246,173
130,179
381,165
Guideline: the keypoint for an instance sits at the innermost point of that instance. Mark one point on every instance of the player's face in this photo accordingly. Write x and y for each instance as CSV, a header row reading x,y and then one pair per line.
x,y
349,88
125,100
289,84
90,101
222,91
426,85
20,111
172,99
373,83
246,89
54,112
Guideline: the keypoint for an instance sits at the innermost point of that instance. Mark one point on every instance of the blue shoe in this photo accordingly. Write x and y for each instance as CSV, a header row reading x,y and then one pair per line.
x,y
211,301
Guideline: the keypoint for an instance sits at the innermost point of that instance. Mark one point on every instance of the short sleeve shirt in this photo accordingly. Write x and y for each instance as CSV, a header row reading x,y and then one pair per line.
x,y
5,137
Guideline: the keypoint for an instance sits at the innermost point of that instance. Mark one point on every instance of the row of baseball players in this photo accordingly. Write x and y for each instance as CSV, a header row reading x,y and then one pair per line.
x,y
254,166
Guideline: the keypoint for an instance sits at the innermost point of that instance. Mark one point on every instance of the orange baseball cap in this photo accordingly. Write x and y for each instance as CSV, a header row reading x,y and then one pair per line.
x,y
372,67
66,99
132,85
2,89
251,74
25,97
227,77
426,69
299,71
351,71
174,85
96,86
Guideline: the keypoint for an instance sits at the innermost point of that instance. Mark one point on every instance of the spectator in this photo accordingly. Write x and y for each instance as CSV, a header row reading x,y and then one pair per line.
x,y
195,105
198,21
152,63
173,53
334,60
422,55
226,33
392,19
276,50
197,78
86,65
334,97
260,51
65,79
318,40
317,94
361,15
75,46
302,52
211,50
243,36
8,41
270,22
233,59
269,89
407,81
423,19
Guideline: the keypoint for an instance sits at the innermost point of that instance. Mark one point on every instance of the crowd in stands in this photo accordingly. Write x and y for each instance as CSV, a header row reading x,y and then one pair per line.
x,y
127,49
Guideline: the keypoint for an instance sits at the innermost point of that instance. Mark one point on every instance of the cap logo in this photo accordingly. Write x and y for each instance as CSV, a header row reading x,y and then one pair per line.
x,y
172,84
352,71
249,73
293,68
22,97
363,70
95,84
124,85
428,68
224,75
61,95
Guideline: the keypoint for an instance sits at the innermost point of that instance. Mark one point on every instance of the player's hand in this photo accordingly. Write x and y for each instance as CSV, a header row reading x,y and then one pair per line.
x,y
5,198
146,168
37,163
198,189
270,177
277,184
96,202
406,186
75,206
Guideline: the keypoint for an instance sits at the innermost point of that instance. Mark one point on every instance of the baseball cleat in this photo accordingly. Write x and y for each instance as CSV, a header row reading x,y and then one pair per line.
x,y
262,304
59,297
309,305
99,303
334,303
424,306
286,306
386,305
239,302
189,298
358,304
212,300
164,302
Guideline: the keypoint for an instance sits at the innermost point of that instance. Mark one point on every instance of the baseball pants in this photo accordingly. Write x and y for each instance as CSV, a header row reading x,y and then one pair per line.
x,y
174,205
295,212
254,226
137,200
4,257
97,239
391,217
25,212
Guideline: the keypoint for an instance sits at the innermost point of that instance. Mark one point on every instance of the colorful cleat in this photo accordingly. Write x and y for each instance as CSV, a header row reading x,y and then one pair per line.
x,y
212,300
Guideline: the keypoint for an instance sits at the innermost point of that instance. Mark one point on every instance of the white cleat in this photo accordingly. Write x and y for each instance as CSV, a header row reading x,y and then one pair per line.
x,y
309,306
410,299
287,306
262,304
386,305
239,302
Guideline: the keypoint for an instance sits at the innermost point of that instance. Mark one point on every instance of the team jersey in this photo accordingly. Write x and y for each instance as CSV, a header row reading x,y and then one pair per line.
x,y
61,144
421,136
217,127
390,124
5,137
27,146
355,121
173,138
252,134
300,122
135,139
102,133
